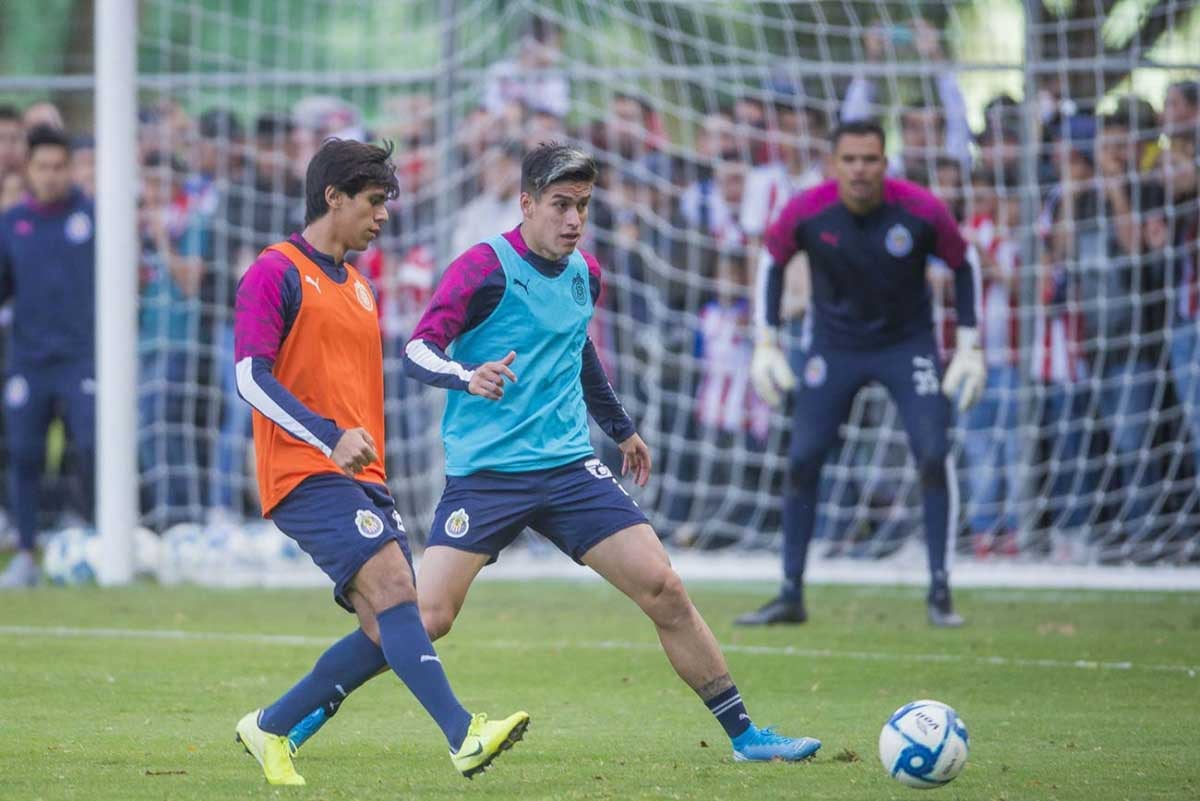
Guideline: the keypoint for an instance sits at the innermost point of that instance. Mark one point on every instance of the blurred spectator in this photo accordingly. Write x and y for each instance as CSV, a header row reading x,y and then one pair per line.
x,y
1057,361
83,163
267,203
169,327
531,79
1180,171
496,209
12,141
711,205
750,128
542,127
633,132
47,269
991,445
42,113
730,419
948,186
408,120
1132,128
12,189
1000,151
792,169
726,402
716,138
926,131
1181,110
263,206
1125,317
318,117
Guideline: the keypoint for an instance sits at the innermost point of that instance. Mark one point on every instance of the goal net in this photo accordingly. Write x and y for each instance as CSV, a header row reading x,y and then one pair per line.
x,y
1063,137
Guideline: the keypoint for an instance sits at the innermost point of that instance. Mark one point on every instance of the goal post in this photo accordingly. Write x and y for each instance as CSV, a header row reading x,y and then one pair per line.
x,y
116,288
705,116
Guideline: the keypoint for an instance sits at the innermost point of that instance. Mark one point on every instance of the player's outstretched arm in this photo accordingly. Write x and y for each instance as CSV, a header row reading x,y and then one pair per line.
x,y
601,399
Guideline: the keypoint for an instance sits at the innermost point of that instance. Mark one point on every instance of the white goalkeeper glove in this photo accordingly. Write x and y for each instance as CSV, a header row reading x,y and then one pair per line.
x,y
770,372
966,375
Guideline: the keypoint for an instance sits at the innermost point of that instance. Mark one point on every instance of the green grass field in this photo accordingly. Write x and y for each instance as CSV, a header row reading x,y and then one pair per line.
x,y
1068,695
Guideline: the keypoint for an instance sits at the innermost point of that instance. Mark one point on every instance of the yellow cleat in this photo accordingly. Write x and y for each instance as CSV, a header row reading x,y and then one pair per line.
x,y
485,740
271,751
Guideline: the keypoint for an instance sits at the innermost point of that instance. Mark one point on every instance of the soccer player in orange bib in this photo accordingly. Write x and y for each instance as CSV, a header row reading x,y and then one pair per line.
x,y
310,362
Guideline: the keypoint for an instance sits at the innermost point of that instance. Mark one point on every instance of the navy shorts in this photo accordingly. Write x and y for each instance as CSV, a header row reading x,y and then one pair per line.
x,y
574,506
340,523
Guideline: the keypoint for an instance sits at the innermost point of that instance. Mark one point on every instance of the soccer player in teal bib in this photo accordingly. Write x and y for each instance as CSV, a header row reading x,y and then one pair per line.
x,y
517,449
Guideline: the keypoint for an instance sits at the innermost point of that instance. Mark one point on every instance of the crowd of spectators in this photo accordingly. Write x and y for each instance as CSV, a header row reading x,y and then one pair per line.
x,y
677,219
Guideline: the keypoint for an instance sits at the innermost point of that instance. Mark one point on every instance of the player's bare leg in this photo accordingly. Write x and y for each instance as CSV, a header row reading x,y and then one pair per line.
x,y
442,585
634,561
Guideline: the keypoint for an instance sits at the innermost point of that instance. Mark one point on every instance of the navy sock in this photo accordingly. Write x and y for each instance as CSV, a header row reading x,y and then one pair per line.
x,y
346,666
410,653
935,498
729,711
799,520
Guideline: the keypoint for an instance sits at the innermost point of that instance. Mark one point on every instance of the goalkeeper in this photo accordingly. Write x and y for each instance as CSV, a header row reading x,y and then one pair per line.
x,y
868,239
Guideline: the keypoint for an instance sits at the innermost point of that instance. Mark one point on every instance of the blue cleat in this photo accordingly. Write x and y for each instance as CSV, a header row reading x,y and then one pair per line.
x,y
764,745
306,728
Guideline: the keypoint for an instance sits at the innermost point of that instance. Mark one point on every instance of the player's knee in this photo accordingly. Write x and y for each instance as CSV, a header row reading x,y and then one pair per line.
x,y
668,601
932,469
438,618
804,469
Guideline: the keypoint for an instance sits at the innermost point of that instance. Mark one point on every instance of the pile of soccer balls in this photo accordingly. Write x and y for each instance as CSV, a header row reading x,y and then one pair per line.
x,y
923,744
72,555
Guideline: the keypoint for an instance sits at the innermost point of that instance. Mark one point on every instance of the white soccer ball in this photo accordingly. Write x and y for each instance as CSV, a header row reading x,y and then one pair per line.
x,y
182,549
147,552
70,557
923,744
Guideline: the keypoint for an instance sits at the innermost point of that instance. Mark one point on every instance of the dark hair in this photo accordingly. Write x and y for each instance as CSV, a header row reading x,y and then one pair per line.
x,y
858,128
272,125
46,136
10,114
219,123
157,160
1189,89
348,166
541,28
1152,198
554,162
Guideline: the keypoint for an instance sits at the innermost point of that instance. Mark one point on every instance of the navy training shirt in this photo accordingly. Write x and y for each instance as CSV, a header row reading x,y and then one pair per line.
x,y
48,269
869,285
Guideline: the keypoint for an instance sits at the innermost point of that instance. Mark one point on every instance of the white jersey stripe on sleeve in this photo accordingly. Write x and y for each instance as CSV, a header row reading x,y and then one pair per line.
x,y
423,356
257,397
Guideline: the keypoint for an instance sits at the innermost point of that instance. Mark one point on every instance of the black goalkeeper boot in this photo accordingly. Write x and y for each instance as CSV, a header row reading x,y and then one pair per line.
x,y
941,610
777,610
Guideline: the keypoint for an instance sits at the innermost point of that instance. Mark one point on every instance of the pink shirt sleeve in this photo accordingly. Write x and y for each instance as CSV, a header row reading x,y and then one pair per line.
x,y
446,314
259,321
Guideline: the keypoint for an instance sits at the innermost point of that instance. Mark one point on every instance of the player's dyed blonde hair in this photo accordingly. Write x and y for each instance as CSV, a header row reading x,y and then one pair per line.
x,y
553,162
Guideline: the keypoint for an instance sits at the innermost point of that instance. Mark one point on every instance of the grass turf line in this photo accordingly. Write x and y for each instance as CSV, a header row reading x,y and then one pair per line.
x,y
116,717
